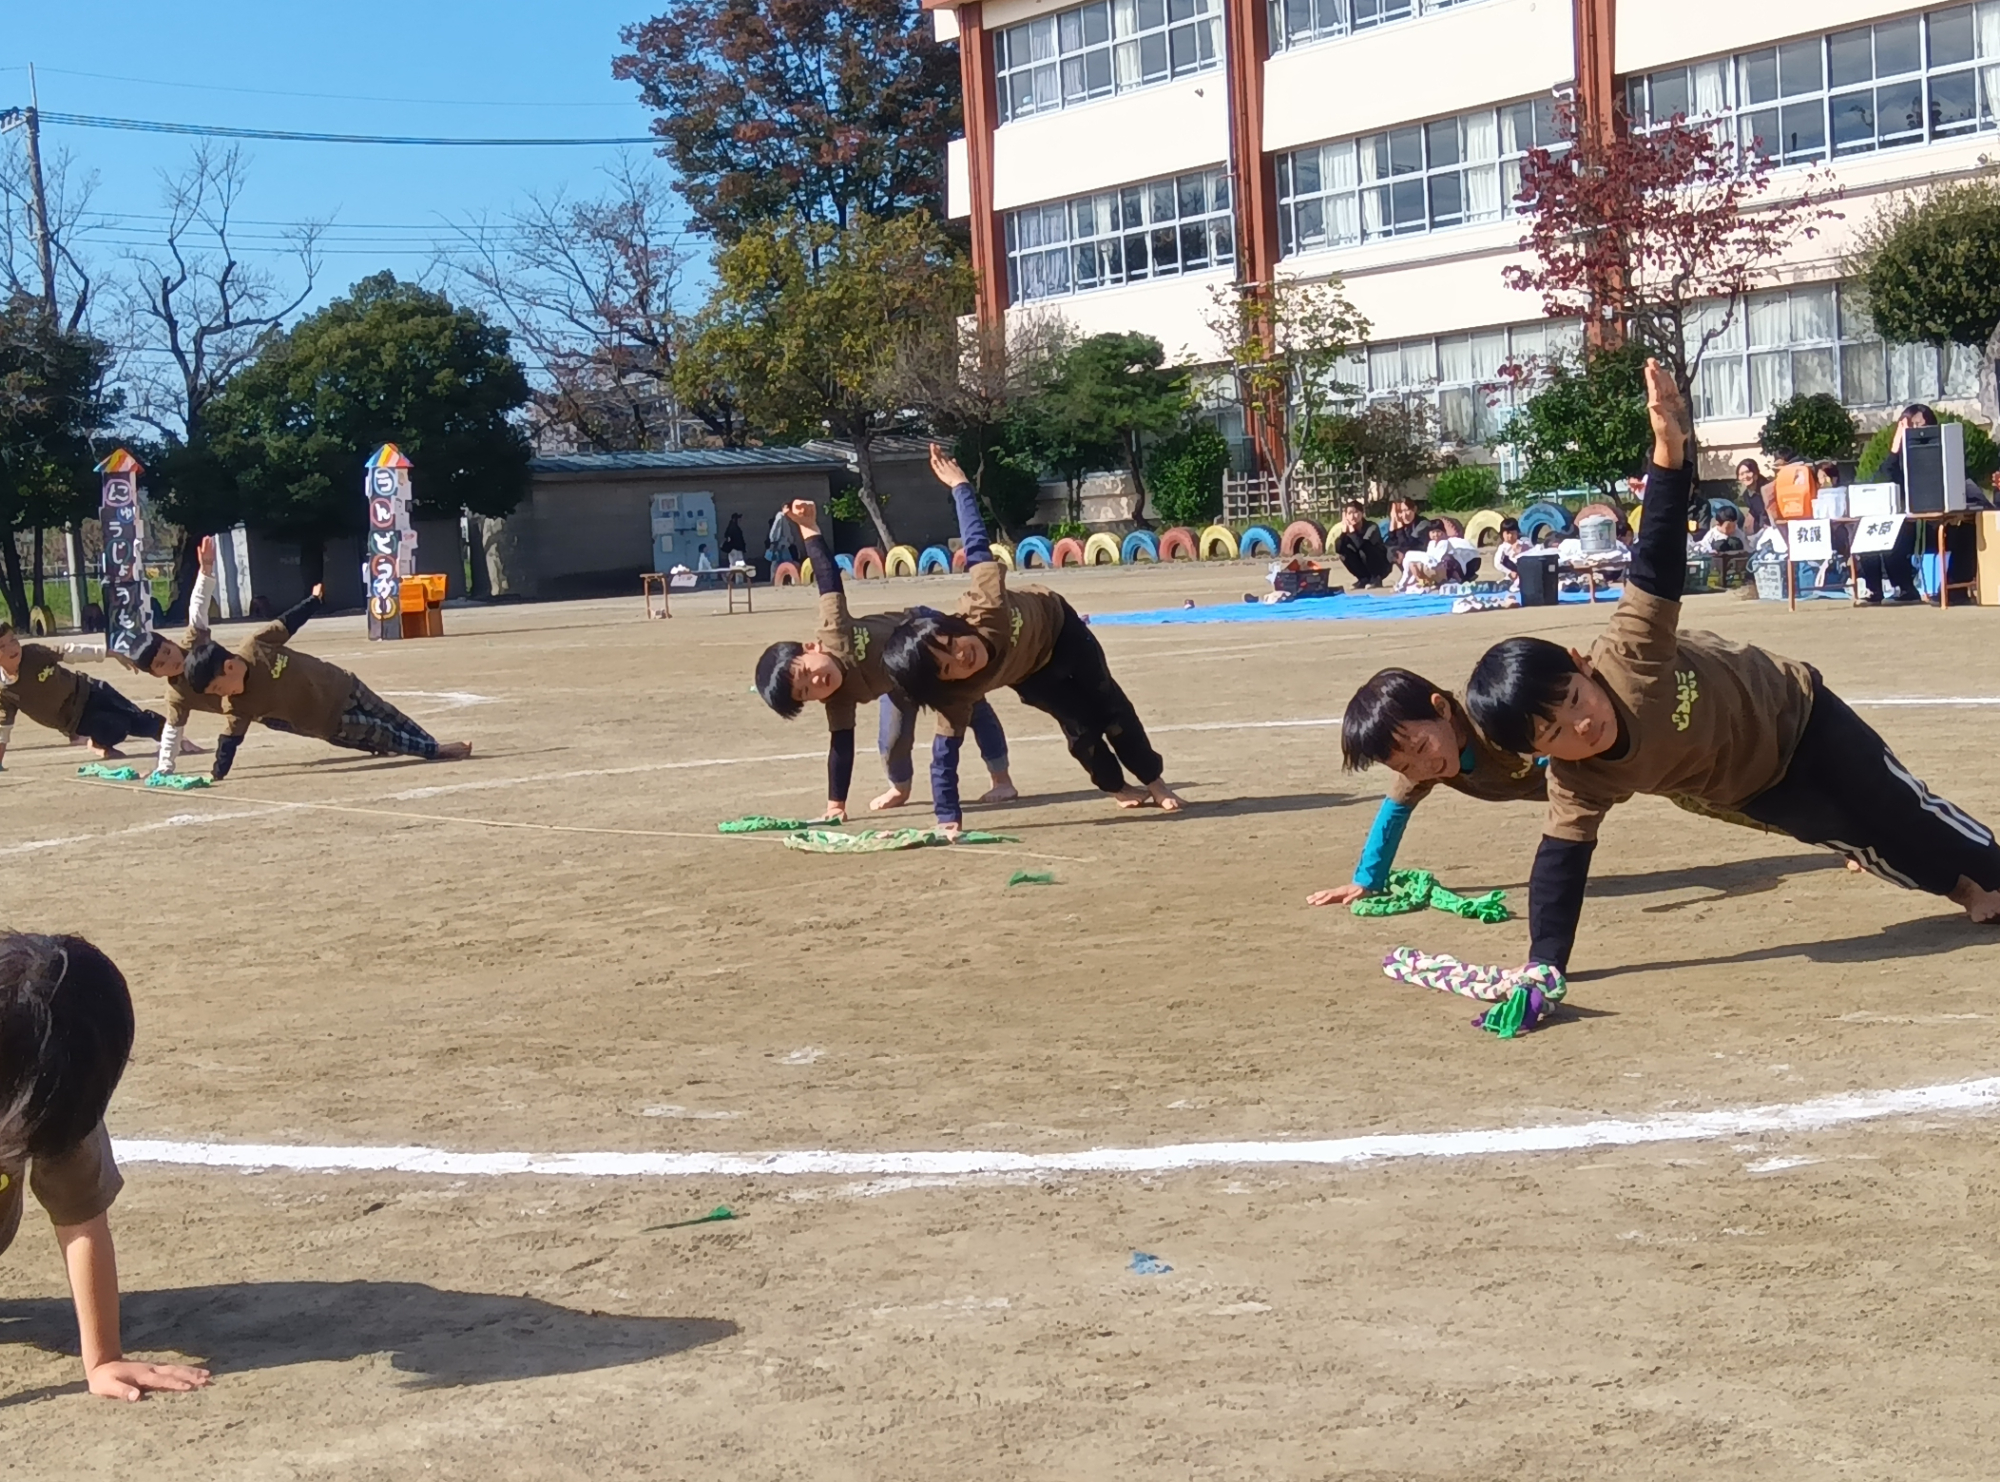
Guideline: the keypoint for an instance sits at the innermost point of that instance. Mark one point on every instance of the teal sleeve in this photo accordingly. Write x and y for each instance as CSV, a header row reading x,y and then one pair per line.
x,y
1378,855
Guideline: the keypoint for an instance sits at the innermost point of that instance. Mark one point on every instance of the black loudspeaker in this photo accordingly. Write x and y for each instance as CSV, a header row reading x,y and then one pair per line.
x,y
1539,587
1934,468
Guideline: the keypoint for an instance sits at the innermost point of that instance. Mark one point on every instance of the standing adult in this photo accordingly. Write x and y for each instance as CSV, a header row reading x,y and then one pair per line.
x,y
1894,566
1360,548
733,544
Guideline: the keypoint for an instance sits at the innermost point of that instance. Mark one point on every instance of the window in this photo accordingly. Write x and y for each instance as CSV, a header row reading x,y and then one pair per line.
x,y
1297,22
1157,230
1458,375
1905,81
1419,178
1793,342
1112,46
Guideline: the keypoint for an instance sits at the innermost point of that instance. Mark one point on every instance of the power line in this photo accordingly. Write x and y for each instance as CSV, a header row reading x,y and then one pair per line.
x,y
294,136
266,92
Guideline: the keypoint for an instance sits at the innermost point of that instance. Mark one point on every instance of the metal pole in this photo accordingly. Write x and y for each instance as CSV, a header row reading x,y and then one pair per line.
x,y
73,559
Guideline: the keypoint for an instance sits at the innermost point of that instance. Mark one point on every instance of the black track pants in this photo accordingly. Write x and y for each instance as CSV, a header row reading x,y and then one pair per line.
x,y
1102,729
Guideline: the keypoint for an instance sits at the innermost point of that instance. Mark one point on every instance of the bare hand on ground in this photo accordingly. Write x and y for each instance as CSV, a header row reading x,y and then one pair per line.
x,y
128,1379
1345,895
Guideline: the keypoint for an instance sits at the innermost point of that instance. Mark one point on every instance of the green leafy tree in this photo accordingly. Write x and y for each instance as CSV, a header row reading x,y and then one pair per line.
x,y
1586,427
390,362
1982,457
1388,442
1814,427
1466,486
1930,266
1113,392
818,111
52,404
1187,475
808,323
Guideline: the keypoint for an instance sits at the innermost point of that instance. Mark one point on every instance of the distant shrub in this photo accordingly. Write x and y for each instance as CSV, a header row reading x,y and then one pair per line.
x,y
1467,486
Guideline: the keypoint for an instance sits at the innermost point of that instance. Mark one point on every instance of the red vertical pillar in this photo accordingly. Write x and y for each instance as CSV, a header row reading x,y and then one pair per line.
x,y
1598,120
1253,178
982,117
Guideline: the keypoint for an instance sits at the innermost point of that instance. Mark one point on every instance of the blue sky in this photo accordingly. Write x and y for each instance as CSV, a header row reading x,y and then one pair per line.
x,y
428,67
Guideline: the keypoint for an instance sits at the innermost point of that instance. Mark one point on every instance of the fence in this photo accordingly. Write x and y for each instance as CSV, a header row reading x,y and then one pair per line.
x,y
1316,495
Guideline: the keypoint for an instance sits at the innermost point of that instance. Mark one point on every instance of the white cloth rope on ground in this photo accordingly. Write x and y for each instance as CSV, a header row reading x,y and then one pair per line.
x,y
1818,1115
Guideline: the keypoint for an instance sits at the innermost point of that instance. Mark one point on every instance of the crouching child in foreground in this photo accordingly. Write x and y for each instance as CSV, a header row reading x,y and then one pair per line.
x,y
65,1034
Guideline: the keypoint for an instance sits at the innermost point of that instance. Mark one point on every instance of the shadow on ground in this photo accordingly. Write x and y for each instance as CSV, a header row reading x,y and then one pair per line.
x,y
443,1338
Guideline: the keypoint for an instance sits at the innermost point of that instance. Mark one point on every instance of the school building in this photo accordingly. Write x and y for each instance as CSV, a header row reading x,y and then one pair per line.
x,y
1125,158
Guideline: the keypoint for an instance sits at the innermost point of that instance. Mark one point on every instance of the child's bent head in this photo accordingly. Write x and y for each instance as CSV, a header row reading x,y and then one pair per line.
x,y
789,674
931,651
212,670
65,1033
1535,697
1403,721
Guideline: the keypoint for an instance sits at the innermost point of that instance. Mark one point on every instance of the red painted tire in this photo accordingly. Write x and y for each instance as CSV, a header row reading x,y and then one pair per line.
x,y
1609,511
867,563
1302,535
1179,544
958,559
1069,552
784,574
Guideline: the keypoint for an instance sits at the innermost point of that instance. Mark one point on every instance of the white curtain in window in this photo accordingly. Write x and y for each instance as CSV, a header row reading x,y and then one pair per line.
x,y
1366,149
1336,164
1770,320
1385,367
1488,354
1812,315
1566,337
1372,202
1454,354
1419,363
1913,374
1770,381
1986,43
1813,373
1482,193
1711,88
1721,393
1961,375
1482,136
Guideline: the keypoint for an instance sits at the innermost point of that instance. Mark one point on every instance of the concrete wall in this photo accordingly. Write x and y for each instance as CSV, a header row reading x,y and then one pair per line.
x,y
1652,33
280,570
1141,135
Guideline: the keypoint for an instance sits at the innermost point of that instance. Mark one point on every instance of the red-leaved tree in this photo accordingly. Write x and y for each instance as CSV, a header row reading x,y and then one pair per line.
x,y
821,110
1635,232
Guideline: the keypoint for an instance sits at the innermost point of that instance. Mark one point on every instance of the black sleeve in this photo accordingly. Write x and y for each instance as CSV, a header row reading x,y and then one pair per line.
x,y
839,763
1555,899
826,570
225,757
1659,552
295,618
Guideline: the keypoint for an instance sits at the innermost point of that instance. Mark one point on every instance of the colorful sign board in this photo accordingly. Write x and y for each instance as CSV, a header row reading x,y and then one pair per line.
x,y
128,596
390,551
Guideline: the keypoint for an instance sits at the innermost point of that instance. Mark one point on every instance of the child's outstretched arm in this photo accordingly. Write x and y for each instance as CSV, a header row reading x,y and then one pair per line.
x,y
971,524
295,618
92,1264
833,613
1659,551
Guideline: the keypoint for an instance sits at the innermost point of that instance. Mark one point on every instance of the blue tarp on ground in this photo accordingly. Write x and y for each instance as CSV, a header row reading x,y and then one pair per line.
x,y
1312,610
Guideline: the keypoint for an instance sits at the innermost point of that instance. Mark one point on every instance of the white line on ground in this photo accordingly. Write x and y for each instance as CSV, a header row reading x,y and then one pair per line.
x,y
178,820
413,794
448,699
1804,1116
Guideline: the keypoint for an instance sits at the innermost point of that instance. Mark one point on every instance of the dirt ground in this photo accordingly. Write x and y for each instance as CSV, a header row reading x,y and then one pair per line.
x,y
548,949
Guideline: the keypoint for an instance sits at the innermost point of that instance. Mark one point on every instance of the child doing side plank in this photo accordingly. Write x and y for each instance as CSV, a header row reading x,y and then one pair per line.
x,y
265,680
65,1034
1716,726
1029,639
842,669
34,681
1423,735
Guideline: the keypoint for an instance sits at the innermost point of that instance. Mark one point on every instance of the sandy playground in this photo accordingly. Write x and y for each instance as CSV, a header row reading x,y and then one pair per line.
x,y
548,951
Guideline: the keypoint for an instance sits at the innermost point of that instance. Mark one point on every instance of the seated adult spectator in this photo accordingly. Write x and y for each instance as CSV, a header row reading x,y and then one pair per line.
x,y
1407,532
1359,547
1752,496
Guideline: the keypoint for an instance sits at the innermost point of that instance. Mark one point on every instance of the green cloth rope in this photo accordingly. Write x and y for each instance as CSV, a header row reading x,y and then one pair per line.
x,y
1414,890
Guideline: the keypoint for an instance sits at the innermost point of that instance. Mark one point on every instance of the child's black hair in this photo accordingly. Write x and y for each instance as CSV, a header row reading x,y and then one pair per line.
x,y
204,663
1518,682
65,1034
142,660
1510,526
774,678
1389,701
911,654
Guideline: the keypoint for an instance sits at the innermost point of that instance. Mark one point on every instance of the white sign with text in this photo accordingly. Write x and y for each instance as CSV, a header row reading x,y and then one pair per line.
x,y
1812,540
1877,533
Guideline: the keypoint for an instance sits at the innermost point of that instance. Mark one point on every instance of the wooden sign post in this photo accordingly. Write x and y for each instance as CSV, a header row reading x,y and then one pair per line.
x,y
128,596
391,551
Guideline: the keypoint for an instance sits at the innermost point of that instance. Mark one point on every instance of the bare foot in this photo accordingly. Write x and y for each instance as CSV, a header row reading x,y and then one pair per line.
x,y
1002,790
454,751
1854,867
107,753
1132,797
1980,904
193,748
1165,796
895,797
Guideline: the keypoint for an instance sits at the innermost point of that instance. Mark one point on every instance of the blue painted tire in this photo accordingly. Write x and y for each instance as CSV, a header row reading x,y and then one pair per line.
x,y
935,561
845,563
1140,543
1258,535
1539,516
1031,549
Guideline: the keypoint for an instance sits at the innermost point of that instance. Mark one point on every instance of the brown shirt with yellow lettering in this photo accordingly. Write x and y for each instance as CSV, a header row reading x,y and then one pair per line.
x,y
1699,718
859,644
75,1187
1019,626
45,691
308,694
1493,775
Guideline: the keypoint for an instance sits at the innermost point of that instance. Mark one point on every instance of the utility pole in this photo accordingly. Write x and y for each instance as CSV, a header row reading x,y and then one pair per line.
x,y
44,246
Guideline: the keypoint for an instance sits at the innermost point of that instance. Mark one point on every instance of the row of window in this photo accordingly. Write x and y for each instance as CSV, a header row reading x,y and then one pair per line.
x,y
1912,80
1160,229
1298,22
1106,47
1419,178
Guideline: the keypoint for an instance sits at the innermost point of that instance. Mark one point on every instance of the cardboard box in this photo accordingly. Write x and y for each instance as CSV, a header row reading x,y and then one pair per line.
x,y
1988,588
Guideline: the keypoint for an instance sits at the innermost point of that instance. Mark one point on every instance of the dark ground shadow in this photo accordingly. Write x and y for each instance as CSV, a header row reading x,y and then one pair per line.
x,y
1929,936
443,1338
1743,877
1198,807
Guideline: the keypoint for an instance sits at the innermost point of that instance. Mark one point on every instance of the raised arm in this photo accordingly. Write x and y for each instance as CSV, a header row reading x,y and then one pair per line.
x,y
1659,551
971,525
295,618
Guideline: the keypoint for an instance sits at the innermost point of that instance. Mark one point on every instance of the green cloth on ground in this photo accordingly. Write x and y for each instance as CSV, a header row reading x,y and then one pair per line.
x,y
1032,877
109,774
879,841
1413,890
1506,1017
178,781
715,1216
757,823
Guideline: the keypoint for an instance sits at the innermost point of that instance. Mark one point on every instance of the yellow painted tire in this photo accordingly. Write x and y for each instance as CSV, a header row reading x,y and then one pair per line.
x,y
1217,544
1101,550
806,572
1486,522
901,561
1004,554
